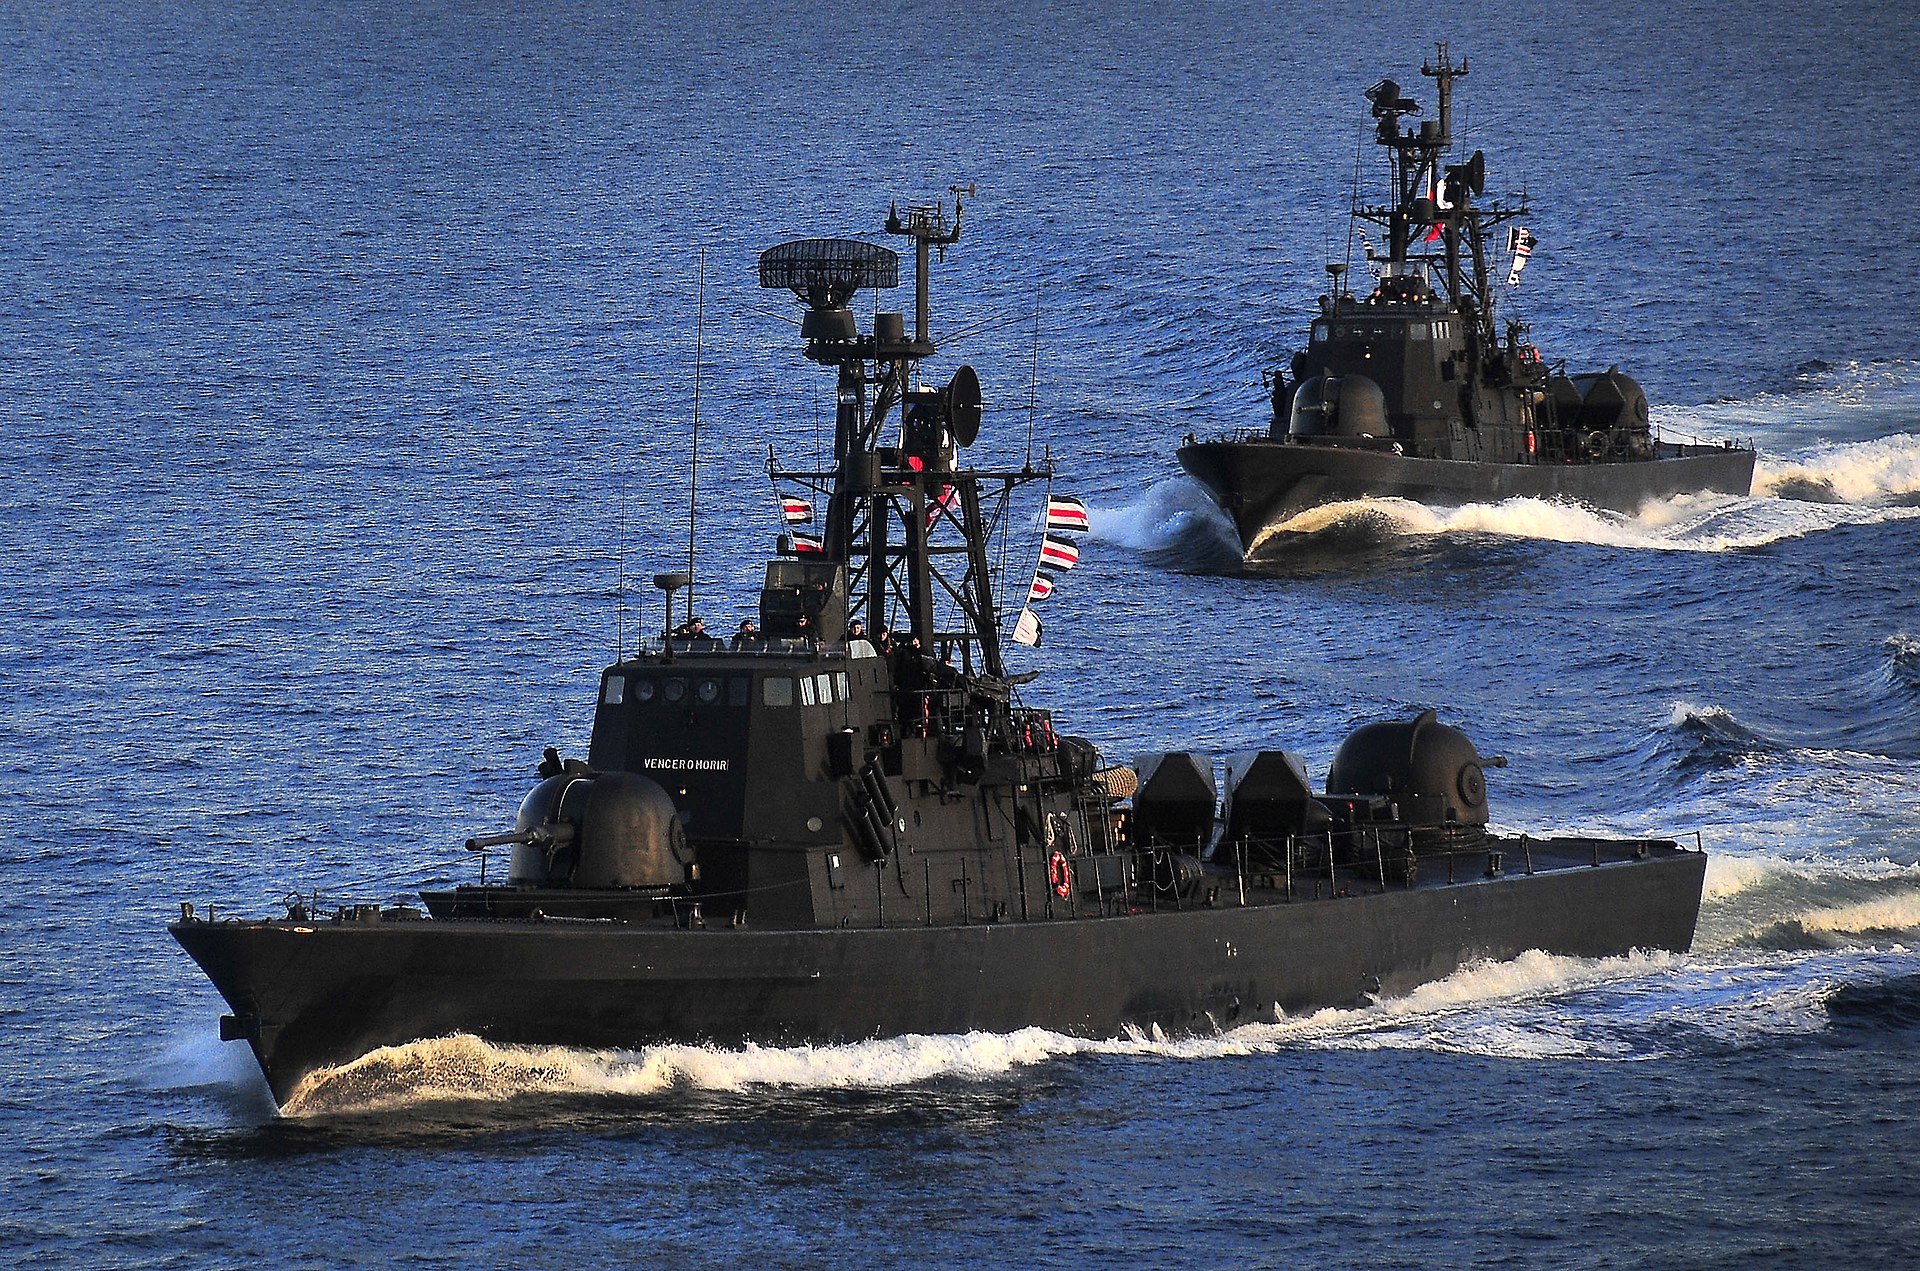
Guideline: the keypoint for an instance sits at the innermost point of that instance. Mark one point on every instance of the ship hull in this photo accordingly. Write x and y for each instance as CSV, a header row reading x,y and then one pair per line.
x,y
1263,484
309,996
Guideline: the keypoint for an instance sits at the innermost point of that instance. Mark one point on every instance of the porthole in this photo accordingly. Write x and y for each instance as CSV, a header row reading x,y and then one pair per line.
x,y
709,690
675,690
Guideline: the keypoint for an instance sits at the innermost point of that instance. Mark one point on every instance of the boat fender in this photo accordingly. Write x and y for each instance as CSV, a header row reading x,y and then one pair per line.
x,y
1059,874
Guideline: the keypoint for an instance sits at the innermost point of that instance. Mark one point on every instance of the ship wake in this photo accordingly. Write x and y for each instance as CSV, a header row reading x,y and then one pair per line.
x,y
1826,488
1486,1008
1174,524
1537,1007
1683,523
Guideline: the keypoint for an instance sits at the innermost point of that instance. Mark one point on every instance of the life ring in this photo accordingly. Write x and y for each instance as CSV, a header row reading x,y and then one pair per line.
x,y
1060,875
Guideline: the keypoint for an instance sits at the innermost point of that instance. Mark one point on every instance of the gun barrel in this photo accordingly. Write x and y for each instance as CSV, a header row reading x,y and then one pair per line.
x,y
484,841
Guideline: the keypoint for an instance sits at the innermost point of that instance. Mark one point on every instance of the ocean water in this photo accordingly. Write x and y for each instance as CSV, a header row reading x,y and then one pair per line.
x,y
346,378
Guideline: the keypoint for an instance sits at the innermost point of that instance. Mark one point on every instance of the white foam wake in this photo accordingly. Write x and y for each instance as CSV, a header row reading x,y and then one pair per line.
x,y
1862,472
1684,523
1728,876
1885,915
1162,517
1441,1015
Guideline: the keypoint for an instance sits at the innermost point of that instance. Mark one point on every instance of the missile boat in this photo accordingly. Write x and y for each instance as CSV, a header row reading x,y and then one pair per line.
x,y
852,822
1414,391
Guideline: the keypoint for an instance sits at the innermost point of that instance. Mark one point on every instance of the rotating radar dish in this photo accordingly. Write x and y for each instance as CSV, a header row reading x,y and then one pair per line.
x,y
825,272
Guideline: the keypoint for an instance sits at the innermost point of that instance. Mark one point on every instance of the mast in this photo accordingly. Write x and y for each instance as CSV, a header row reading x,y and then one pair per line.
x,y
909,524
1432,224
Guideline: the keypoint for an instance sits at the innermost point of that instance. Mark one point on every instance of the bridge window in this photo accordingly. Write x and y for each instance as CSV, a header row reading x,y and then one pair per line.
x,y
709,691
643,688
737,690
616,690
806,690
826,689
776,690
842,677
1322,332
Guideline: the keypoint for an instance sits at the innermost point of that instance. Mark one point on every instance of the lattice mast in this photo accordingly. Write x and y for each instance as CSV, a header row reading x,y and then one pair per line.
x,y
1433,198
908,523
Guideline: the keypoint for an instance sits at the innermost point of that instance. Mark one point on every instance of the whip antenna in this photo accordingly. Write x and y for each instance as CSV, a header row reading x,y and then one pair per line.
x,y
1033,383
693,479
620,588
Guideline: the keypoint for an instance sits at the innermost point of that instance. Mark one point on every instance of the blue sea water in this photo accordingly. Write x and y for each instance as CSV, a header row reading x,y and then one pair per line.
x,y
345,377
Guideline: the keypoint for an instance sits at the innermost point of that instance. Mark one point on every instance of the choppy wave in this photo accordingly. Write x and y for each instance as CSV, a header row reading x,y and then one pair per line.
x,y
1851,401
1799,897
1728,876
1900,669
1879,1004
1785,822
1709,736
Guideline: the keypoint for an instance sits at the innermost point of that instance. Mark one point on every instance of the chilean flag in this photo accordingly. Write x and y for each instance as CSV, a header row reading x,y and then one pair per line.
x,y
1060,553
1064,513
1433,197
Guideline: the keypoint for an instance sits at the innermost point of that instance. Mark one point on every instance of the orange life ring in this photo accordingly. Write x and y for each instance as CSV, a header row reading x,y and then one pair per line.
x,y
1060,875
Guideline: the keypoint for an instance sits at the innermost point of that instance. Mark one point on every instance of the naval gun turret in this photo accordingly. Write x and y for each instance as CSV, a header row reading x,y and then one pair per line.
x,y
1419,773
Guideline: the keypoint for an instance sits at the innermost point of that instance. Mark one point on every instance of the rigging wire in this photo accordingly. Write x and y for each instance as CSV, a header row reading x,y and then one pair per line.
x,y
771,313
998,318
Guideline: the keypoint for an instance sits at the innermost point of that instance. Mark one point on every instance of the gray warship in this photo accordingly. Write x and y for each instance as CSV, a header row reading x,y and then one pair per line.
x,y
814,835
1414,391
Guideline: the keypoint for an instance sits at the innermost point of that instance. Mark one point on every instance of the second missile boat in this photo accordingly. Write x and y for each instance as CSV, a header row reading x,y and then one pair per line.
x,y
1414,391
820,833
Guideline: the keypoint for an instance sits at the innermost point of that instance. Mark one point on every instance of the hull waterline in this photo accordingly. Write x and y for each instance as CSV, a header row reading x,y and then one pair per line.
x,y
1261,485
307,996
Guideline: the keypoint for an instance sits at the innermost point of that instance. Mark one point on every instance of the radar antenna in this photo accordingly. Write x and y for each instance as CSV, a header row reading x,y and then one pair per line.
x,y
905,522
1434,201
